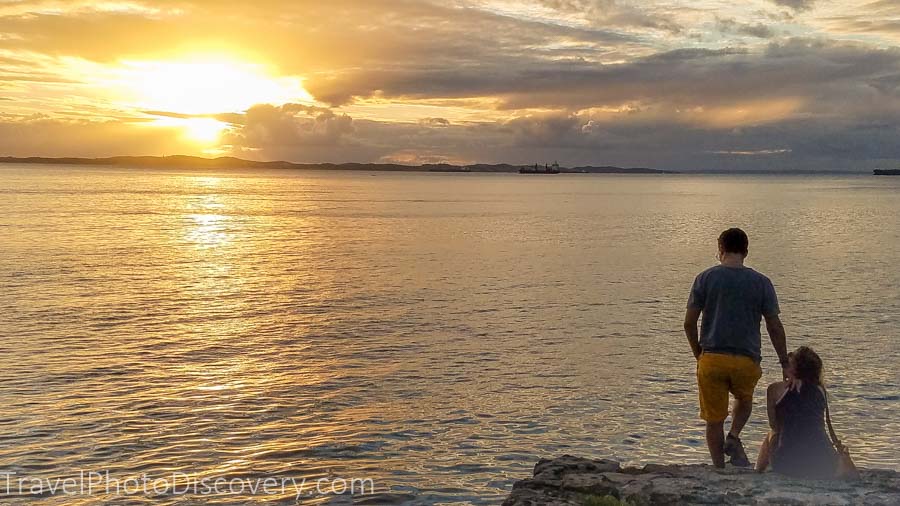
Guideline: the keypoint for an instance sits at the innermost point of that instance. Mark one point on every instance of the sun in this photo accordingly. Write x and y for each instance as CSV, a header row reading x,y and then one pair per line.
x,y
206,85
204,130
189,92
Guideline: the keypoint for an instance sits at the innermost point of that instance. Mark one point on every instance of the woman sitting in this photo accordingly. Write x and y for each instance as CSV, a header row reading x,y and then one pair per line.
x,y
798,444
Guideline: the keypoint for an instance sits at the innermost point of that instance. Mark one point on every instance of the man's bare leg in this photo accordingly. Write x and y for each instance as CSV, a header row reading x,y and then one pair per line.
x,y
742,410
733,446
715,441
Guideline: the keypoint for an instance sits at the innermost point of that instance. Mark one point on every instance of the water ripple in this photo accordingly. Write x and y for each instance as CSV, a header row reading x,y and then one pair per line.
x,y
436,333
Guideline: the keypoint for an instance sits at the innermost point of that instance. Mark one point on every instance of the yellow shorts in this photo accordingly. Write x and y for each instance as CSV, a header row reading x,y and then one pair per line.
x,y
717,375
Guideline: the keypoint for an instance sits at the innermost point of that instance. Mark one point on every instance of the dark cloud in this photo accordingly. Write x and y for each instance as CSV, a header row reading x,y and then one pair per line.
x,y
266,126
270,132
616,13
797,5
732,26
796,144
817,75
629,140
548,131
435,122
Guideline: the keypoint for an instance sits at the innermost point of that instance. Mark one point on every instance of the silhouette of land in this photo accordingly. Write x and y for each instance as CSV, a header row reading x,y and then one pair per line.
x,y
230,162
887,172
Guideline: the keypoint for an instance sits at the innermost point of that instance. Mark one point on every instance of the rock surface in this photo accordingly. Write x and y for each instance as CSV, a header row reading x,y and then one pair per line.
x,y
573,481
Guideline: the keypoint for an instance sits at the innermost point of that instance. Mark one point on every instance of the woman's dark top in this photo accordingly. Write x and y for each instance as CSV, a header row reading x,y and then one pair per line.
x,y
803,448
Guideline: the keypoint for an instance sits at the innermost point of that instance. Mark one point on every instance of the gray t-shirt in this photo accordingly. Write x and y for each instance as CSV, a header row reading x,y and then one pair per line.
x,y
733,300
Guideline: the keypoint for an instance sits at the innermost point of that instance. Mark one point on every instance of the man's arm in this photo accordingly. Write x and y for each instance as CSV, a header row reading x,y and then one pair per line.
x,y
779,340
691,330
770,311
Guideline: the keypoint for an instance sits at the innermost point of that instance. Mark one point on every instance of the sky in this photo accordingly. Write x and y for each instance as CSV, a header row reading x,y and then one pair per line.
x,y
701,84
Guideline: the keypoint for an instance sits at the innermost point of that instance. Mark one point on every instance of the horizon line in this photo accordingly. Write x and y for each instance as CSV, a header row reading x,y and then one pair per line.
x,y
237,163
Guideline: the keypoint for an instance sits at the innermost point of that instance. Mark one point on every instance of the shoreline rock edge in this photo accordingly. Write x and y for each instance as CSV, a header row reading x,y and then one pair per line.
x,y
575,481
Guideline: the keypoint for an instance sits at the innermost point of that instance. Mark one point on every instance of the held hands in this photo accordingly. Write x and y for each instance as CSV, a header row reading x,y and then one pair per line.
x,y
791,383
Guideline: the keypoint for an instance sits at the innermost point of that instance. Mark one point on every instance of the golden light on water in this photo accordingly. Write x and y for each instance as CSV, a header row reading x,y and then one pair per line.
x,y
208,230
206,220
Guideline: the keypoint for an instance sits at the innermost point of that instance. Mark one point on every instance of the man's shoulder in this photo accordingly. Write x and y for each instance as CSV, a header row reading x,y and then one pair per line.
x,y
730,273
707,272
759,275
713,273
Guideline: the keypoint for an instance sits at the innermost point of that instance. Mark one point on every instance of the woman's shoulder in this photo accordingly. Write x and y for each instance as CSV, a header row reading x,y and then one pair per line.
x,y
797,391
781,390
777,390
778,386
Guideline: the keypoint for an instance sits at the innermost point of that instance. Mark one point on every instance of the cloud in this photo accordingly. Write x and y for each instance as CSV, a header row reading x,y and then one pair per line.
x,y
616,13
44,136
634,138
551,130
797,5
435,122
266,126
638,138
419,157
797,144
757,152
879,18
670,84
796,76
300,36
731,26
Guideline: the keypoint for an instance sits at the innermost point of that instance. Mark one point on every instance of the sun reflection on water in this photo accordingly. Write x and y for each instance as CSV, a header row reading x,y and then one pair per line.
x,y
207,224
209,230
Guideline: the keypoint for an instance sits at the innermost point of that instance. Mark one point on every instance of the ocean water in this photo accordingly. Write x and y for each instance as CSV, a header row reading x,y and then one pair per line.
x,y
435,333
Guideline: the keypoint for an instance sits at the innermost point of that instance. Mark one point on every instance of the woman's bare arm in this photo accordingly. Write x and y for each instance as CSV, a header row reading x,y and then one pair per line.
x,y
774,394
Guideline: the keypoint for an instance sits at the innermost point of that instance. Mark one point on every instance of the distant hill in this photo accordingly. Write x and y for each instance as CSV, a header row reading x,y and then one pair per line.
x,y
606,169
197,162
886,172
230,162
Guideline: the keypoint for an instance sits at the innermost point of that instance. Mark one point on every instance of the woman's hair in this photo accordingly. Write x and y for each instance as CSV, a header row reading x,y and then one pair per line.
x,y
807,365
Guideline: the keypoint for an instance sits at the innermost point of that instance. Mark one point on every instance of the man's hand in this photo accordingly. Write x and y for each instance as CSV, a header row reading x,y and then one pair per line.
x,y
792,384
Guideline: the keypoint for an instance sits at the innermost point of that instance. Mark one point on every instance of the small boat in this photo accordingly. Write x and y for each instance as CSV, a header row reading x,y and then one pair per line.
x,y
547,169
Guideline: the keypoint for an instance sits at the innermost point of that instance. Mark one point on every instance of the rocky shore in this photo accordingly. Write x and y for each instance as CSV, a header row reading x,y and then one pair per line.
x,y
573,481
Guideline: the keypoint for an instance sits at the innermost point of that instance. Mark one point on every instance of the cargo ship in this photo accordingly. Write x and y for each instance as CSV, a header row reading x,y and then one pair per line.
x,y
546,169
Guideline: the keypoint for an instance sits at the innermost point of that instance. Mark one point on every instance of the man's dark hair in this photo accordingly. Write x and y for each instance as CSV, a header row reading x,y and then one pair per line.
x,y
734,240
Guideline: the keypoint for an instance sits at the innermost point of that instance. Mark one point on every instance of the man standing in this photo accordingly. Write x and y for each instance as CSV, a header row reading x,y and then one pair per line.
x,y
733,299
